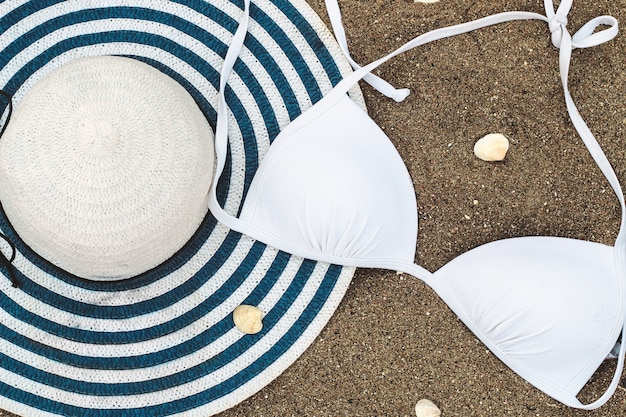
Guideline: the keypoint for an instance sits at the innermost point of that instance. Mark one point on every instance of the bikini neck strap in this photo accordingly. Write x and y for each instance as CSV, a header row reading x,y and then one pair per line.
x,y
585,37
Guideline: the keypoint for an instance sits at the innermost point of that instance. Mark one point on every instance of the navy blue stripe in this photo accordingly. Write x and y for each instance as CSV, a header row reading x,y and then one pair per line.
x,y
225,387
154,304
187,375
322,53
223,185
292,52
26,9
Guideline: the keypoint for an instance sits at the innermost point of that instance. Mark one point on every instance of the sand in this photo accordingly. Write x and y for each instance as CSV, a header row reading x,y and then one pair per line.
x,y
392,341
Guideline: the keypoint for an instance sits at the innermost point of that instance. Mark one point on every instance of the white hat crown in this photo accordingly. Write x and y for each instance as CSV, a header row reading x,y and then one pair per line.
x,y
105,167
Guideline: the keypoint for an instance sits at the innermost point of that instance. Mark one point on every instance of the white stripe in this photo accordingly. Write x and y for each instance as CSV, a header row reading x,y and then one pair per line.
x,y
7,6
155,318
193,387
63,8
170,367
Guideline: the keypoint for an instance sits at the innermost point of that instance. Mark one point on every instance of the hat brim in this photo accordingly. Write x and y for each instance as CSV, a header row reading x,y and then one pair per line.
x,y
164,343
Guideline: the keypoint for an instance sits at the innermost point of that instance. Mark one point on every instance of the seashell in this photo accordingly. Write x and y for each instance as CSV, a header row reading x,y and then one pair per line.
x,y
425,1
248,319
426,408
492,147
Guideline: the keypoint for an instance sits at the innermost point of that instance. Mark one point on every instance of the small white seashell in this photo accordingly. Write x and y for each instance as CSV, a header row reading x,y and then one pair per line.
x,y
425,1
248,319
492,147
426,408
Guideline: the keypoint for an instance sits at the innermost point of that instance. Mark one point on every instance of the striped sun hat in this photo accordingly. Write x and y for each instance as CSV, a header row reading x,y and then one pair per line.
x,y
163,342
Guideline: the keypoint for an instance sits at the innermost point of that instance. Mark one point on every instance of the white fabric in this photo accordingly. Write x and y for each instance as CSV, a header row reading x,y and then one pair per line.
x,y
529,299
316,212
548,307
105,167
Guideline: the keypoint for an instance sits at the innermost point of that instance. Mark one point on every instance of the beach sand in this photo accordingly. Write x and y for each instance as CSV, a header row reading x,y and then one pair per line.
x,y
392,340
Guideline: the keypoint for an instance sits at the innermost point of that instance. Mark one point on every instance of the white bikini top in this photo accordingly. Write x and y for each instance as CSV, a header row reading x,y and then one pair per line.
x,y
550,308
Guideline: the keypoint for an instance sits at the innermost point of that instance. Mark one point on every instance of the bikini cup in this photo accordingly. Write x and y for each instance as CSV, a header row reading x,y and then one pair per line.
x,y
333,188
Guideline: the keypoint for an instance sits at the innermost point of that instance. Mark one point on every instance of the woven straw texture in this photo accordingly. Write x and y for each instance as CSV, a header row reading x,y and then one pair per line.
x,y
164,342
105,168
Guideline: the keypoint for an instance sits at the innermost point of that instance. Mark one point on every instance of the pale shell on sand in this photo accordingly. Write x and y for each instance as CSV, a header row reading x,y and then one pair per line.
x,y
492,147
425,1
426,408
248,319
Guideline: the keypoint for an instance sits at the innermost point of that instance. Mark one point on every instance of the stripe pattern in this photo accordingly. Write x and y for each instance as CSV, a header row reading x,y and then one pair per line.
x,y
164,343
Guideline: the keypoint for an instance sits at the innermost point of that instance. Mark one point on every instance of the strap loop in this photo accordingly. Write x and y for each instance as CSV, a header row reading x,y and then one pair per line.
x,y
7,264
9,99
4,261
585,36
334,14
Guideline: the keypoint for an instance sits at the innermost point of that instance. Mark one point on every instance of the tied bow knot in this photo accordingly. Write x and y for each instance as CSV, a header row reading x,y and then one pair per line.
x,y
586,36
558,28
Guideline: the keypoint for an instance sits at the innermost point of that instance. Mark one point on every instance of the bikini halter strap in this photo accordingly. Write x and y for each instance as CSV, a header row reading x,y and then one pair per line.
x,y
557,21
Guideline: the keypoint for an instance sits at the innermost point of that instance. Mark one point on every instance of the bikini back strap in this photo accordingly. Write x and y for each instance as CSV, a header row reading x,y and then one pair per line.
x,y
585,38
221,129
